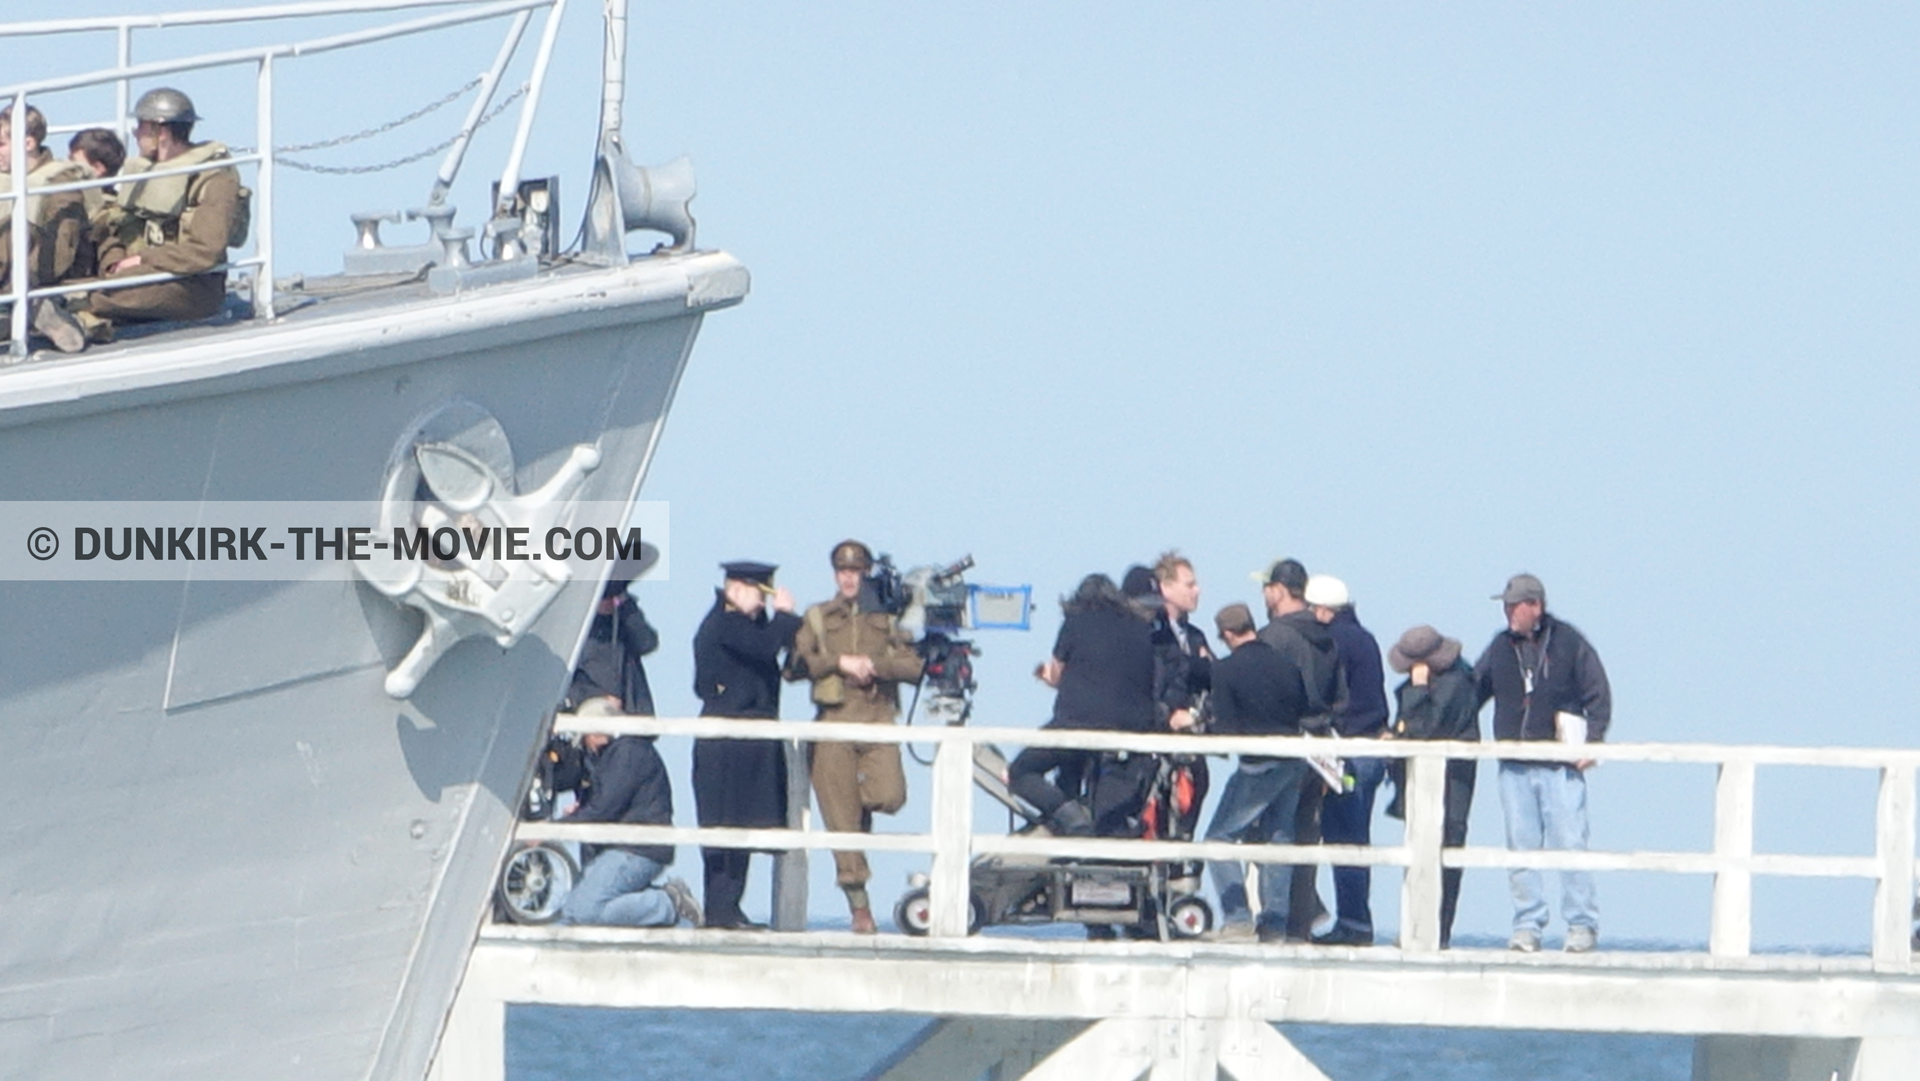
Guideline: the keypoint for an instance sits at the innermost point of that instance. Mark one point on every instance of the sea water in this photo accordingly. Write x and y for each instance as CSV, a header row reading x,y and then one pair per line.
x,y
551,1043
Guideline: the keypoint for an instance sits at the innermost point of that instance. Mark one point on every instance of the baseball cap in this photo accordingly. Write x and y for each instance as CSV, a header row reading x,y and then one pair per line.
x,y
1522,587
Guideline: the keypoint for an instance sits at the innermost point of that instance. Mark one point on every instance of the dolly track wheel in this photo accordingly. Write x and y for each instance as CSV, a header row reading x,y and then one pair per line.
x,y
914,913
1189,917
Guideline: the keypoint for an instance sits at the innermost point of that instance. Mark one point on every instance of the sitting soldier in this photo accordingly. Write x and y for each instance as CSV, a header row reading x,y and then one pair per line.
x,y
58,247
101,153
181,224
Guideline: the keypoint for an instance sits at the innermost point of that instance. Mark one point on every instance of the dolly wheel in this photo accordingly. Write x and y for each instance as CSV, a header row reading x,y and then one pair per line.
x,y
914,913
1189,917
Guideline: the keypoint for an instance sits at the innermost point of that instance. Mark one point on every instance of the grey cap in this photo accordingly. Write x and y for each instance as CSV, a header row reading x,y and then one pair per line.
x,y
165,105
1522,587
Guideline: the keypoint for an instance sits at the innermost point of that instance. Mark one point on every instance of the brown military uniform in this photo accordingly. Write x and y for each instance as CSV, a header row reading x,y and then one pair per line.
x,y
176,225
58,244
854,780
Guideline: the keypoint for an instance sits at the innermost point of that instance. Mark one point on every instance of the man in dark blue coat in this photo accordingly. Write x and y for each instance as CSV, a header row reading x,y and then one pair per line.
x,y
736,673
1346,818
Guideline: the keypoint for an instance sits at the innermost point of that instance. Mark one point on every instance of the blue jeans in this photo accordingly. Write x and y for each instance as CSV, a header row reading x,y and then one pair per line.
x,y
1257,807
617,890
1347,819
1546,808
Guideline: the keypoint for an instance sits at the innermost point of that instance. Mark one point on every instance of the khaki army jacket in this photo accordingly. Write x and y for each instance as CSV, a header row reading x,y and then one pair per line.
x,y
176,224
58,244
837,629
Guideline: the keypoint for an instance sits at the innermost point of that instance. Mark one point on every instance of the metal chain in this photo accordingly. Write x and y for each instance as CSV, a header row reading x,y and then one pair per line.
x,y
384,128
349,170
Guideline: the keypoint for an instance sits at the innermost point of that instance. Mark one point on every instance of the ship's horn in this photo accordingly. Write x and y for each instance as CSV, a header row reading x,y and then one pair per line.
x,y
627,197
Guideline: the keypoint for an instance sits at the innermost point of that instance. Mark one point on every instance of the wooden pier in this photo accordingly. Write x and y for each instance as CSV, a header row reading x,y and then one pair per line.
x,y
1050,1010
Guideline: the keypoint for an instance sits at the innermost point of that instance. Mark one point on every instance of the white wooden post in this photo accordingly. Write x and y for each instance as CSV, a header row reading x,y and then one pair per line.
x,y
950,890
790,866
1426,822
1893,901
1732,928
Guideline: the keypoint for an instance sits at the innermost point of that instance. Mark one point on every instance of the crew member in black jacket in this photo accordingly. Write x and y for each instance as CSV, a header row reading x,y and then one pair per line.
x,y
1437,702
736,673
626,782
1295,634
1256,692
1546,683
1102,665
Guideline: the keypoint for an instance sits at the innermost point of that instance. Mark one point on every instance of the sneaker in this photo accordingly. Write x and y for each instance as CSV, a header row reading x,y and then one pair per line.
x,y
1525,940
1342,935
1582,939
1234,932
52,321
684,905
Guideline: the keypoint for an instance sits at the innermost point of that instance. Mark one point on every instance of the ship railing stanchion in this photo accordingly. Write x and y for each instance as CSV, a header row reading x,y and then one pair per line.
x,y
123,86
17,213
1426,814
1731,932
1893,898
510,176
263,275
949,888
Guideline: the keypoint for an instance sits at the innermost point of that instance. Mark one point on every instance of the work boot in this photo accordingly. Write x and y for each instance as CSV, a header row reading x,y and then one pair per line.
x,y
99,331
863,921
52,321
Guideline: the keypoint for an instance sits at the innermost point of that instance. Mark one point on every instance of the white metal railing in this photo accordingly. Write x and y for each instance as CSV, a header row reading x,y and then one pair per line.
x,y
951,841
124,72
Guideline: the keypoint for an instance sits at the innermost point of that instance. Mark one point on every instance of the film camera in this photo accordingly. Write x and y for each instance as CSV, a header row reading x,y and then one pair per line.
x,y
934,604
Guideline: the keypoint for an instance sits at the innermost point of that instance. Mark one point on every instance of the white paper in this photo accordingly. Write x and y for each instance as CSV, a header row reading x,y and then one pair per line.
x,y
1569,727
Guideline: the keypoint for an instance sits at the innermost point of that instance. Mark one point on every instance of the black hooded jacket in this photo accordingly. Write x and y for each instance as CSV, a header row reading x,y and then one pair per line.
x,y
627,782
1566,677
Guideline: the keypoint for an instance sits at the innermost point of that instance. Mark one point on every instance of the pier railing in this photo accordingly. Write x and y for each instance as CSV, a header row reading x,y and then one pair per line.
x,y
952,842
125,71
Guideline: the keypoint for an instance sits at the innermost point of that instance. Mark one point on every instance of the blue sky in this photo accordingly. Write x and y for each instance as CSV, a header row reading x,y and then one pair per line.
x,y
1422,295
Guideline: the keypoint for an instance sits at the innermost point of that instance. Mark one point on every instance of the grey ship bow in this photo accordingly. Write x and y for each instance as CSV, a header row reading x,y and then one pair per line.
x,y
251,826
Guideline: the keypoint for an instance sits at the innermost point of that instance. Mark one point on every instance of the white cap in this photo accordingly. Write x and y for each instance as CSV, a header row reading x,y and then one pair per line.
x,y
1326,591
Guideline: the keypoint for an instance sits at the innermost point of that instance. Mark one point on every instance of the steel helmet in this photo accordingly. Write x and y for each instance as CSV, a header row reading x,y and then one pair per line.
x,y
165,105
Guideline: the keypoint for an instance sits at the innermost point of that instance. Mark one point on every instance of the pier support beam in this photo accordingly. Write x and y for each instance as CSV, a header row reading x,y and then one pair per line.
x,y
963,1048
1773,1058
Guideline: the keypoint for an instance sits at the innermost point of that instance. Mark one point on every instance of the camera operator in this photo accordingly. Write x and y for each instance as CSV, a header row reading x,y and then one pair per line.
x,y
1103,668
856,656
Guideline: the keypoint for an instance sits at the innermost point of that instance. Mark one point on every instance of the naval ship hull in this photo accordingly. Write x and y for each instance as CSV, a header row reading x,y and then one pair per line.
x,y
228,851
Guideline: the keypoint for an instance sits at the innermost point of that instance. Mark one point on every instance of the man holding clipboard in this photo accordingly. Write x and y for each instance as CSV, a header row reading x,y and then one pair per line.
x,y
1547,684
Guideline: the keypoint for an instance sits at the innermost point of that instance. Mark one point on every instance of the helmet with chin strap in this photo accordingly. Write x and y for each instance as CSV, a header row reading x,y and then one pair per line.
x,y
165,105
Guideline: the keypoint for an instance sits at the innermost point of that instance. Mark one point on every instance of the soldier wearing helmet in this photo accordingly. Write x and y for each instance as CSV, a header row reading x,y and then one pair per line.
x,y
856,658
181,224
58,247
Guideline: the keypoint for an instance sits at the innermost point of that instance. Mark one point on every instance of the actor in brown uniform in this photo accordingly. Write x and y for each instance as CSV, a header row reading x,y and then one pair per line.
x,y
172,224
857,659
58,247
